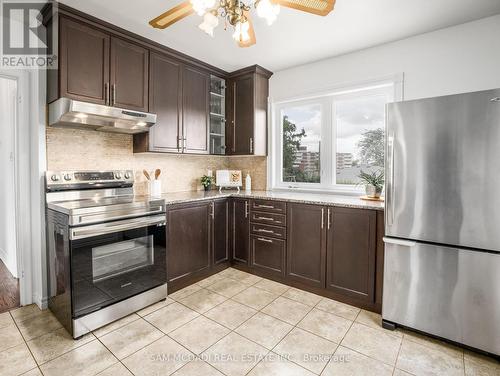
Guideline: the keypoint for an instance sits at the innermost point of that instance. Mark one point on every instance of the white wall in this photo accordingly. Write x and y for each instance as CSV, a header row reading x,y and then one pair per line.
x,y
458,59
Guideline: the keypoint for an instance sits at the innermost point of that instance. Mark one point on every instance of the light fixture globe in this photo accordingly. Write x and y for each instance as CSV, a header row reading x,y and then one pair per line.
x,y
210,22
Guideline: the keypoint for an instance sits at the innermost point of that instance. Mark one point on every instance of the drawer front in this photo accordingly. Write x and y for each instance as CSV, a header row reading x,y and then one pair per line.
x,y
268,218
268,254
277,207
266,230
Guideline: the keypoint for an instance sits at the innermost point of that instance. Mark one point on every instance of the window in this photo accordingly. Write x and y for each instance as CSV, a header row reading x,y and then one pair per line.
x,y
325,142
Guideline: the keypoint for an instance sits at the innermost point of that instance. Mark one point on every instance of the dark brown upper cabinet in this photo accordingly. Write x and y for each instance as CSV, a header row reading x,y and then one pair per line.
x,y
220,231
165,100
240,230
247,103
351,253
83,64
129,70
195,111
306,244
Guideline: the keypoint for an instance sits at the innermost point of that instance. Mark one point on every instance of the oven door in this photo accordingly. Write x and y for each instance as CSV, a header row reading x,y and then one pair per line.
x,y
114,261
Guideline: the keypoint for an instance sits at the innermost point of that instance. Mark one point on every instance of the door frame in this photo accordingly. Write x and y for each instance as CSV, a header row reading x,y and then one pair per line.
x,y
22,183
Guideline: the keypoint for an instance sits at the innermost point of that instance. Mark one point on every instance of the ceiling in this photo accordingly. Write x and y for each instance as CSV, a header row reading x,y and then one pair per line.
x,y
296,37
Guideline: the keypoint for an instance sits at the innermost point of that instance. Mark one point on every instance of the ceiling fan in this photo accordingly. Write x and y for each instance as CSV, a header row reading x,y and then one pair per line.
x,y
237,14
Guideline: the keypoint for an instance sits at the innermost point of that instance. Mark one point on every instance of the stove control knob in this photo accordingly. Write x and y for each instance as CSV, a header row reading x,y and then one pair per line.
x,y
54,178
118,175
67,177
127,175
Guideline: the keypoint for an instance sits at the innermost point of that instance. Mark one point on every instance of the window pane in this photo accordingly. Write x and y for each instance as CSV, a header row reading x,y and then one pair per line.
x,y
301,127
360,137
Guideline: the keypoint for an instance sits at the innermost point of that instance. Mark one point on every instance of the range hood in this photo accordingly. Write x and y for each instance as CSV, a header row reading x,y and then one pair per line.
x,y
69,113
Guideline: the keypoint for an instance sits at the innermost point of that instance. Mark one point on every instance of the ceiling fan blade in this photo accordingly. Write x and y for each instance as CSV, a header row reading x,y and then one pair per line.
x,y
318,7
172,15
251,32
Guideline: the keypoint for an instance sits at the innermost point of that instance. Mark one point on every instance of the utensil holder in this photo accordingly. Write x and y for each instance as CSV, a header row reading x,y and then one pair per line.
x,y
155,188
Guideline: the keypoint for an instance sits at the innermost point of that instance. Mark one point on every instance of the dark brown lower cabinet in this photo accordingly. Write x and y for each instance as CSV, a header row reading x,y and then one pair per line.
x,y
268,255
220,231
351,250
240,231
306,244
188,242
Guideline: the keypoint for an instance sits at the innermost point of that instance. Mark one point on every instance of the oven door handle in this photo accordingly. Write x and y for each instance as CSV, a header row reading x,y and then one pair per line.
x,y
116,226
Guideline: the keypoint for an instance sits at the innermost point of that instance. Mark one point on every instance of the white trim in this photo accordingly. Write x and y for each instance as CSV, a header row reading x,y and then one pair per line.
x,y
327,98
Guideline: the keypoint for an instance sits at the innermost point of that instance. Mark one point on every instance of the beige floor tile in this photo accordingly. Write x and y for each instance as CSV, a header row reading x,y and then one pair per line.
x,y
265,330
16,360
162,357
155,307
38,325
325,325
89,359
371,319
255,297
227,287
199,334
231,314
275,365
10,337
5,319
186,291
271,286
248,279
234,355
432,343
115,325
171,317
399,372
210,280
373,342
33,372
287,310
203,300
231,273
302,296
476,364
306,349
418,359
117,369
25,312
130,338
54,344
337,308
197,367
348,362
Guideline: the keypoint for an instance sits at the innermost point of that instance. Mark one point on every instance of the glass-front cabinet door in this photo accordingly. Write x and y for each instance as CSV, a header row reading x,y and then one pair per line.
x,y
217,115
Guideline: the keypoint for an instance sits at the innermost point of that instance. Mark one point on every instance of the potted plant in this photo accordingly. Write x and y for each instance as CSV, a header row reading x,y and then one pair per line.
x,y
374,182
206,181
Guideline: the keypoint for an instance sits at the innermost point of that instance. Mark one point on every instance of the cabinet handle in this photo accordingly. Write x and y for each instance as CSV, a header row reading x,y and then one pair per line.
x,y
322,218
212,214
246,209
265,206
329,223
264,218
178,143
266,231
251,145
265,240
106,93
113,94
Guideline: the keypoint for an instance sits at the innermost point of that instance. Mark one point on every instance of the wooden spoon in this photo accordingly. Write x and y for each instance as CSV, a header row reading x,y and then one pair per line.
x,y
157,173
146,174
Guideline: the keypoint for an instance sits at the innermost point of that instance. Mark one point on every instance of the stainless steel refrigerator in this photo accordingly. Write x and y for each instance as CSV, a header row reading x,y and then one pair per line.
x,y
442,244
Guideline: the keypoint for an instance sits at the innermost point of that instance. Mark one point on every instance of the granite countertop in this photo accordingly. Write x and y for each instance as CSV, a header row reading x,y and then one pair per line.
x,y
300,197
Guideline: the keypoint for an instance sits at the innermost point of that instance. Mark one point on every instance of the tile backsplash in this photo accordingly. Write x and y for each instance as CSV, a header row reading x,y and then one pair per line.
x,y
71,149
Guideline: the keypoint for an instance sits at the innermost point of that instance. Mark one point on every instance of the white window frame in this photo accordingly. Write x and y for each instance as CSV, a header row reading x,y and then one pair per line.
x,y
392,86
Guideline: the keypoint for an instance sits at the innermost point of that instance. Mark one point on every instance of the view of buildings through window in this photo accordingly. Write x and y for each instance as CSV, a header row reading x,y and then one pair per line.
x,y
358,139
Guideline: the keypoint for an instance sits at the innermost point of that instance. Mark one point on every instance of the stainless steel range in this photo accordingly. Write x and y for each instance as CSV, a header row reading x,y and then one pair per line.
x,y
106,255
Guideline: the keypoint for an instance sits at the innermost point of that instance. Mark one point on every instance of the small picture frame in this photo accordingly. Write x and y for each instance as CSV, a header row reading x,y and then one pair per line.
x,y
228,179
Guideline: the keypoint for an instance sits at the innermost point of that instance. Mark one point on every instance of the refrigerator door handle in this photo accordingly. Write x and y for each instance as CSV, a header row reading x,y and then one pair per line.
x,y
404,243
390,179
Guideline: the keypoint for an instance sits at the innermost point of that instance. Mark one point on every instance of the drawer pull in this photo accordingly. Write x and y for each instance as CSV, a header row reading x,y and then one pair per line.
x,y
268,231
265,219
265,206
265,240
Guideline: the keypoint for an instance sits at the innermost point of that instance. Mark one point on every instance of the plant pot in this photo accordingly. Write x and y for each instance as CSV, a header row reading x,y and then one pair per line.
x,y
206,188
372,191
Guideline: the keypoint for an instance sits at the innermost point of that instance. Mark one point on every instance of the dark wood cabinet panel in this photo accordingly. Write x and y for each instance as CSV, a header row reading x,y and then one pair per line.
x,y
188,241
84,63
379,268
129,72
268,218
266,230
351,254
195,111
243,122
268,255
220,231
240,231
278,207
165,99
306,244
